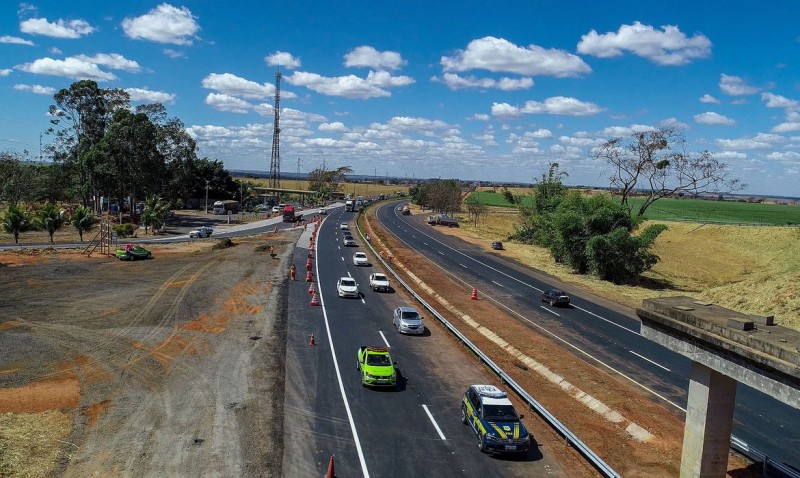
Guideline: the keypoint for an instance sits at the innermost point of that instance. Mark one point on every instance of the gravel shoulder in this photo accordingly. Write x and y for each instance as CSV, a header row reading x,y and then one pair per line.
x,y
169,366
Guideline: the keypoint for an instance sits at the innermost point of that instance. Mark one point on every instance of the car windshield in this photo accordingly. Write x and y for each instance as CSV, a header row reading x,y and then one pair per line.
x,y
380,277
348,283
411,315
378,360
500,413
361,255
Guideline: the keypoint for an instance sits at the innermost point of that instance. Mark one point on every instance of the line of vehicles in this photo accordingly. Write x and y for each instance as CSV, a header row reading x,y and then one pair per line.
x,y
485,408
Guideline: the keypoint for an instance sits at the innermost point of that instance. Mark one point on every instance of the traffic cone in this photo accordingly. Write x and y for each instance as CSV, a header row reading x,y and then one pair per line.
x,y
310,255
314,299
474,294
308,276
276,229
330,473
308,264
312,289
311,342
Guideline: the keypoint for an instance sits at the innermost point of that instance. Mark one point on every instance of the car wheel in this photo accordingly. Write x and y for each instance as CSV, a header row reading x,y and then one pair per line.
x,y
552,303
481,444
463,414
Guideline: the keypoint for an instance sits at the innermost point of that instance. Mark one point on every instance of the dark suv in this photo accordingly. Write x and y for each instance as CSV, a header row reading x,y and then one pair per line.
x,y
555,297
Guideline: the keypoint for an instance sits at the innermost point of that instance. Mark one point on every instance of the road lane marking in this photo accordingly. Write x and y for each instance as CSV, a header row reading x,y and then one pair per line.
x,y
425,243
384,339
342,258
645,358
501,285
360,452
348,275
548,310
363,301
440,252
462,265
435,425
609,321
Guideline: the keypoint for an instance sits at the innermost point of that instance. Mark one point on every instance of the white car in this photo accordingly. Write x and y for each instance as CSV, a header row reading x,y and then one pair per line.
x,y
347,287
408,321
323,211
343,226
379,281
276,209
202,231
360,259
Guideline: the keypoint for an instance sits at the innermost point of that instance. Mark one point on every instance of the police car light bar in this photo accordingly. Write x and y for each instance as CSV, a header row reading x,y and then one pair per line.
x,y
490,391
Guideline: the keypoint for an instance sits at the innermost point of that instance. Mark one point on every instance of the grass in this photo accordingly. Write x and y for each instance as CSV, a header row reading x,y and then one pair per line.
x,y
751,269
697,210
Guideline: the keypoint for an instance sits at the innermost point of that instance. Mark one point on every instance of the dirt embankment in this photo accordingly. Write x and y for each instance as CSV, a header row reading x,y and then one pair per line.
x,y
631,432
169,366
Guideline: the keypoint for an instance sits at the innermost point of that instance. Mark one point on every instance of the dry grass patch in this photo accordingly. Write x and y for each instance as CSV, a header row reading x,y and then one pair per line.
x,y
30,442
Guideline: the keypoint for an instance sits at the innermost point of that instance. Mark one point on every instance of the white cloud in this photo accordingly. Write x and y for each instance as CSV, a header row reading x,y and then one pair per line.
x,y
111,60
540,133
480,117
367,56
777,101
500,55
335,127
456,82
38,89
163,24
5,71
505,110
284,59
708,99
229,103
233,85
674,122
71,67
350,86
143,94
667,47
54,51
742,143
15,40
711,118
736,86
58,29
578,142
769,138
787,127
174,53
561,105
787,156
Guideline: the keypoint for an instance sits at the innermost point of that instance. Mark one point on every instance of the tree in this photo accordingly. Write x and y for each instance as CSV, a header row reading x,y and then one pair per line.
x,y
154,213
82,220
509,196
475,209
15,221
50,218
80,117
657,163
444,196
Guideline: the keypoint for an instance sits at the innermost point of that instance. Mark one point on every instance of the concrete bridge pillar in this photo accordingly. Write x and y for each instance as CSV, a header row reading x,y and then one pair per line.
x,y
709,419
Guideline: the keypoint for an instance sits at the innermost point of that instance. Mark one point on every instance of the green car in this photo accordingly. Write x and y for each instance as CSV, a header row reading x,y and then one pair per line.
x,y
130,253
376,367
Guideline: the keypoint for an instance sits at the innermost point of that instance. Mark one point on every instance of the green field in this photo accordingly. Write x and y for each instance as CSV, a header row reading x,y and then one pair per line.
x,y
699,210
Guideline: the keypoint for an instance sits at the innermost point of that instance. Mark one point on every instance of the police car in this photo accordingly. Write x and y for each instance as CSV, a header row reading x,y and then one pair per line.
x,y
492,417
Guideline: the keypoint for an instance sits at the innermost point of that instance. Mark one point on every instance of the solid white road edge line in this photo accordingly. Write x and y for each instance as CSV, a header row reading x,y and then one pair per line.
x,y
435,425
645,358
361,459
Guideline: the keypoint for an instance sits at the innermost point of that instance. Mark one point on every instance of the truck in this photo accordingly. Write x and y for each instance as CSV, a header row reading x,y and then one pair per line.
x,y
359,203
348,205
442,220
226,207
290,215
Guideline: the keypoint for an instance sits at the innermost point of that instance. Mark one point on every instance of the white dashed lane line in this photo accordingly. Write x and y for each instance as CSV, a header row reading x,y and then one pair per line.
x,y
645,358
548,310
384,339
435,425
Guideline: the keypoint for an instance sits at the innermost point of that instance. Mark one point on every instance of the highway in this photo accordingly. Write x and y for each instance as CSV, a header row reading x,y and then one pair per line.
x,y
595,330
414,429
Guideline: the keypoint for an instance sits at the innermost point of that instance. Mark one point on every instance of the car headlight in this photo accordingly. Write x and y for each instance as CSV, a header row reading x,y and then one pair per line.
x,y
368,375
493,438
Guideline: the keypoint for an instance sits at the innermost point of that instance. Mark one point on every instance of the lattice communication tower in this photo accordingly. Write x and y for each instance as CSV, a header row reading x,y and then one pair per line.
x,y
275,161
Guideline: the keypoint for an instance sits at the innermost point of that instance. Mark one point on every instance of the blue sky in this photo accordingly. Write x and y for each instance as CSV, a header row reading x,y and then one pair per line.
x,y
469,90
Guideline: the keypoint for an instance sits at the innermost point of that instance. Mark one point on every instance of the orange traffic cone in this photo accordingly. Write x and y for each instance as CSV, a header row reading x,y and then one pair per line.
x,y
308,276
330,473
474,294
310,255
312,289
311,342
308,264
314,299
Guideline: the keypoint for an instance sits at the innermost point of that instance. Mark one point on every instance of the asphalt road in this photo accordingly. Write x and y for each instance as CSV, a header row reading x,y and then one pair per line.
x,y
414,429
605,336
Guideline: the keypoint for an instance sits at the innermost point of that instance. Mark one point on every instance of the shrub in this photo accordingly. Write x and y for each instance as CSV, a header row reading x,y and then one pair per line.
x,y
124,230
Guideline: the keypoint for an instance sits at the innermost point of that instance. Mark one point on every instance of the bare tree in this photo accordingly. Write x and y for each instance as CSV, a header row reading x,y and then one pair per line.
x,y
475,209
657,164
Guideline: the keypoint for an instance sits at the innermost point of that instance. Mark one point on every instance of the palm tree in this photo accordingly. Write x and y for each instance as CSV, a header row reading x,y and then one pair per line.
x,y
50,218
15,221
155,212
82,220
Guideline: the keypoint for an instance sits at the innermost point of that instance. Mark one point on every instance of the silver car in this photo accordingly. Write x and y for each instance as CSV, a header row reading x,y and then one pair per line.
x,y
347,287
408,321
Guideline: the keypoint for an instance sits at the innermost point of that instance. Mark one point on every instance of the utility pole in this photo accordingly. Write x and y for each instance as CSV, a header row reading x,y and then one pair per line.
x,y
275,160
298,168
207,183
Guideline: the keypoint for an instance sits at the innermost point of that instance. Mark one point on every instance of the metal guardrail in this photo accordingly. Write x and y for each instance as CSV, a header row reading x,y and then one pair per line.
x,y
770,468
551,420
